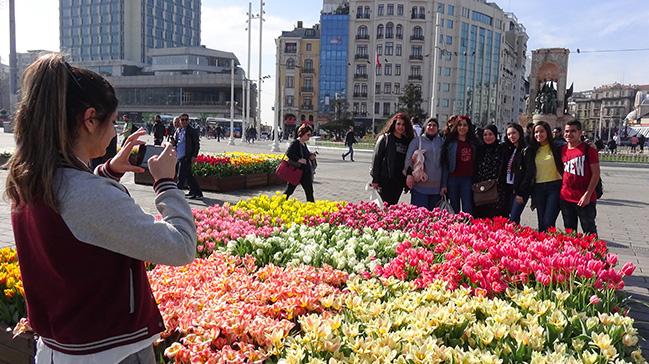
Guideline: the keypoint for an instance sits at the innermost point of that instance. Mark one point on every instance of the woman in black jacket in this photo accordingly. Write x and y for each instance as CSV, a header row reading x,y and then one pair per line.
x,y
299,156
489,160
512,171
543,169
389,158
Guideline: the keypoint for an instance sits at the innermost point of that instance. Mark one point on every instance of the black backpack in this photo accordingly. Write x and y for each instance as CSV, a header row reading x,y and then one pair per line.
x,y
599,189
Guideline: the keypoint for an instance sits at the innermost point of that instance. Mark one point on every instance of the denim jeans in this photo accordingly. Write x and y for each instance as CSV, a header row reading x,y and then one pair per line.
x,y
546,199
516,210
586,215
459,190
349,152
423,200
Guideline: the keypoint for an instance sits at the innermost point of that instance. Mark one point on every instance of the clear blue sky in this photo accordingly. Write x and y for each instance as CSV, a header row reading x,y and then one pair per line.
x,y
584,24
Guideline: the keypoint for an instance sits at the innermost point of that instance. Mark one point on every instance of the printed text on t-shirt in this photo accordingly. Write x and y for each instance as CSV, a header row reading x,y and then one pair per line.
x,y
576,166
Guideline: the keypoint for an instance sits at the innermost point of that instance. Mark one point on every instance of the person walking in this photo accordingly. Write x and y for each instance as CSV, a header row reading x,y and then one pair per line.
x,y
512,173
641,140
298,155
389,158
81,239
581,174
634,143
171,130
427,191
187,147
158,131
129,128
350,140
543,168
612,146
459,156
489,162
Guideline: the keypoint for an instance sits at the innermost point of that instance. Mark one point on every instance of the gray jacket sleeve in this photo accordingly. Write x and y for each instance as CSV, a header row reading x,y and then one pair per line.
x,y
100,212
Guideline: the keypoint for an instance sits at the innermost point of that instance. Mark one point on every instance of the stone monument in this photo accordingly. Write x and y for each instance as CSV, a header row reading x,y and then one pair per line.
x,y
548,100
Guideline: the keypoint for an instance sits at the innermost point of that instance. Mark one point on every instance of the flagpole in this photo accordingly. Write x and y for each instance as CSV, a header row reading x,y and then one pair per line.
x,y
376,65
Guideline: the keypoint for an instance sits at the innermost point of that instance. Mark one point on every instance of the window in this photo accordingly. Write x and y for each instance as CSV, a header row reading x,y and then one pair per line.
x,y
308,47
482,18
355,107
289,47
415,70
397,88
450,10
361,69
289,81
387,88
290,63
379,50
377,107
400,10
449,24
399,31
389,48
380,12
357,89
447,71
367,12
397,50
378,70
465,13
308,64
390,9
422,12
289,100
443,103
415,50
377,88
440,8
387,70
364,89
379,31
417,32
449,40
363,108
361,50
397,70
386,108
389,30
445,87
362,31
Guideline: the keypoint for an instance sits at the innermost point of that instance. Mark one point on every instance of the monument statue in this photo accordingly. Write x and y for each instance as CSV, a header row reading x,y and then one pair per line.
x,y
546,99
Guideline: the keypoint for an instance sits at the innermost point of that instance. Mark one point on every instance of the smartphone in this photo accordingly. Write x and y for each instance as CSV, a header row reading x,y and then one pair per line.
x,y
145,152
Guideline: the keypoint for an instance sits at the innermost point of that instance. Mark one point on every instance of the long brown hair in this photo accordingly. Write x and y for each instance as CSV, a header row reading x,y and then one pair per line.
x,y
392,123
54,97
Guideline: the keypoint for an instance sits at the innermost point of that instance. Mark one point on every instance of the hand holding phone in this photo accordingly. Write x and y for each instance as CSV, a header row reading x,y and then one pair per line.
x,y
163,165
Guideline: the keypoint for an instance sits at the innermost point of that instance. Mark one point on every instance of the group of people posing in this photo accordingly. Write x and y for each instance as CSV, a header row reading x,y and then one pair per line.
x,y
481,176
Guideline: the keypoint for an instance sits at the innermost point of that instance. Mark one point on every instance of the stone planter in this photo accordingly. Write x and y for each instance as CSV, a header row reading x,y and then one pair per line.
x,y
256,180
20,350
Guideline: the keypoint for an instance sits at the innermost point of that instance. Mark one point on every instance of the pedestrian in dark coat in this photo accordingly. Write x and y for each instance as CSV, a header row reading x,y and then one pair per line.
x,y
350,140
187,147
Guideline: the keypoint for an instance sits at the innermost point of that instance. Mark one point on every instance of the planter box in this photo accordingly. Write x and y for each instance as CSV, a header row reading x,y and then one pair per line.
x,y
20,350
208,183
273,180
231,183
144,178
256,180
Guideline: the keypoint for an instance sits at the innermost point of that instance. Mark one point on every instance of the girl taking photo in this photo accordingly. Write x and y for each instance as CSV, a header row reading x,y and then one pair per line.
x,y
81,238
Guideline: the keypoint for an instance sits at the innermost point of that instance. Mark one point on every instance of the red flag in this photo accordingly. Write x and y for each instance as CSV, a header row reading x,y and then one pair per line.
x,y
378,61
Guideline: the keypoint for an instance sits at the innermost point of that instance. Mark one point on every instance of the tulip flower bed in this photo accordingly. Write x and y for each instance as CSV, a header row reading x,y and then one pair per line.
x,y
283,281
402,285
12,301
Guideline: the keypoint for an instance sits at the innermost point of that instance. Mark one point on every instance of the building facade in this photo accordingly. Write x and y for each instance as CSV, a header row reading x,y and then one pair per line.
x,y
392,44
112,37
607,105
334,43
195,80
512,83
297,70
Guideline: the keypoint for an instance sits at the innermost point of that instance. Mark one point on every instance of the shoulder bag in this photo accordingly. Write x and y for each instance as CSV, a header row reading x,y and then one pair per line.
x,y
485,192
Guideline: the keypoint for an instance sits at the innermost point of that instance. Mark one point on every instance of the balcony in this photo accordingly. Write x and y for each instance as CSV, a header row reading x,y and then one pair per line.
x,y
416,37
360,94
361,114
362,36
307,89
416,57
361,56
414,78
290,50
308,70
308,107
362,15
418,16
360,76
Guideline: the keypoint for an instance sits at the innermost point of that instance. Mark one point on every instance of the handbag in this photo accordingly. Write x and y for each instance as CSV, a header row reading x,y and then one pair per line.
x,y
419,158
485,192
288,173
444,205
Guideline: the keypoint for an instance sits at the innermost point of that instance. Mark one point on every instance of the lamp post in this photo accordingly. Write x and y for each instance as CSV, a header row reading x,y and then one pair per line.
x,y
231,141
261,25
433,106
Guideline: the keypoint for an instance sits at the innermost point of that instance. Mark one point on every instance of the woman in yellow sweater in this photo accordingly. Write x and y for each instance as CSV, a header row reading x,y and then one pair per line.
x,y
542,177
